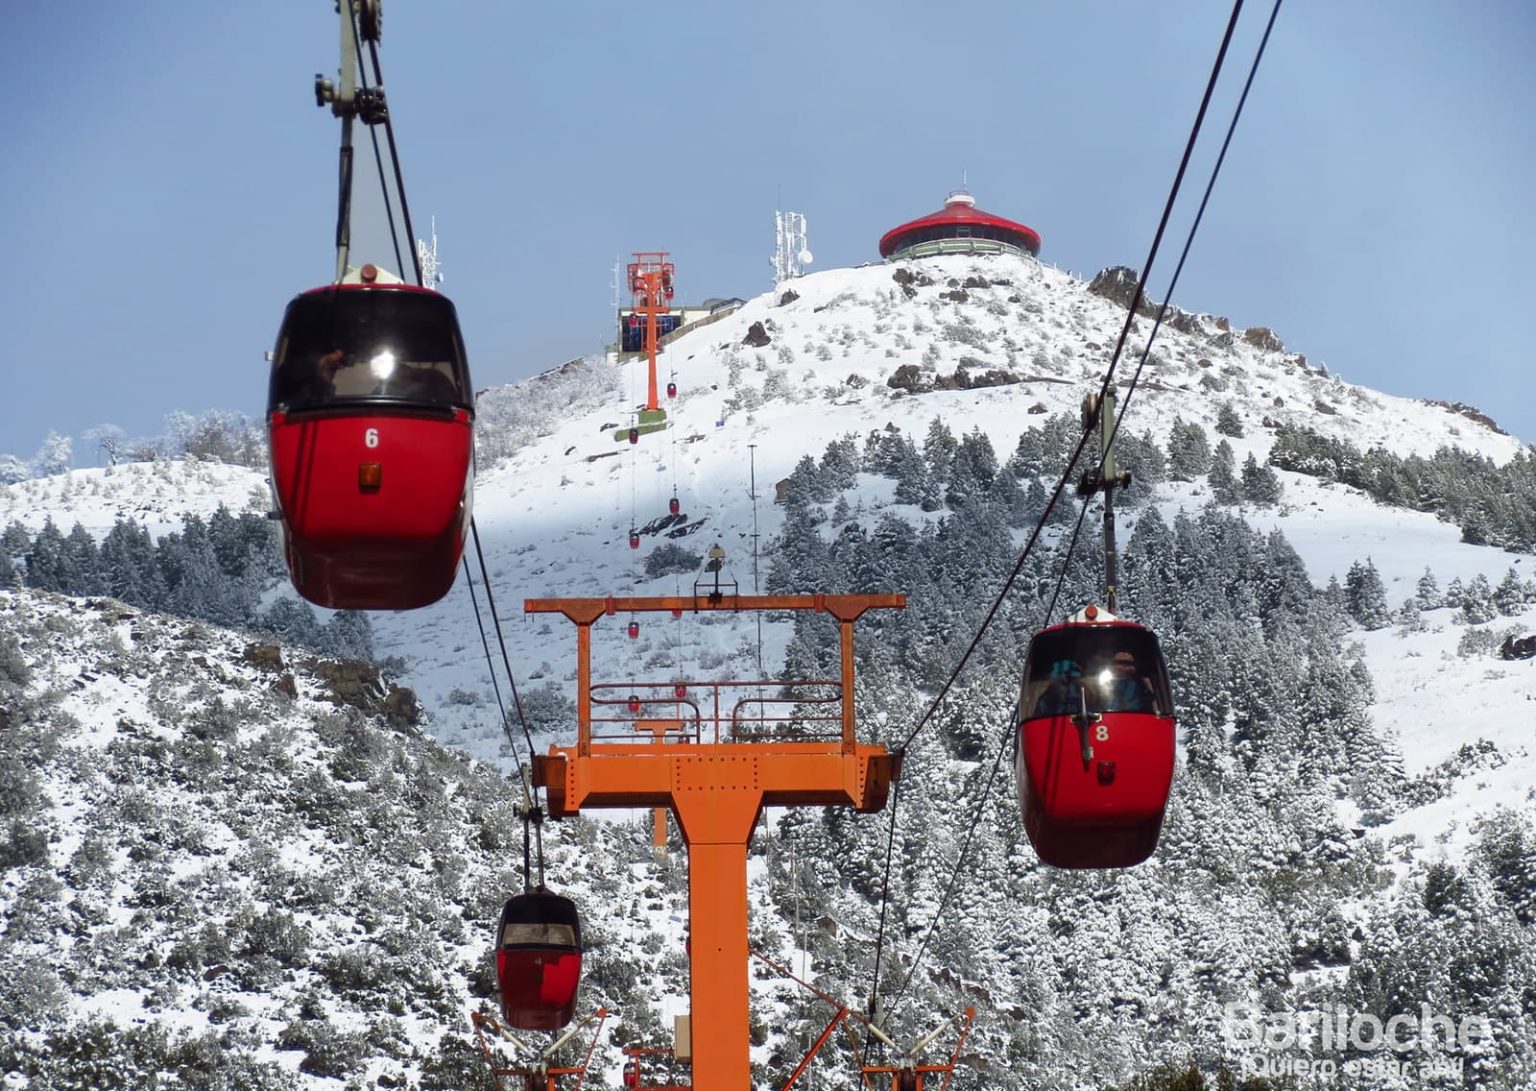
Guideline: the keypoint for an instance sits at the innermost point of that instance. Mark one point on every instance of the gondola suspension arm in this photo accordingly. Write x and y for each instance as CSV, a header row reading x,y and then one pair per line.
x,y
348,101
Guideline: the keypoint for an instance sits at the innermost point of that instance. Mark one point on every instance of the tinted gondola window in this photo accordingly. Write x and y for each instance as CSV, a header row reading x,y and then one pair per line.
x,y
537,934
1095,669
370,344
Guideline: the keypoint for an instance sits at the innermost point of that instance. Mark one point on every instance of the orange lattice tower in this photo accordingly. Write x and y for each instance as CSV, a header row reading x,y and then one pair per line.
x,y
650,281
733,748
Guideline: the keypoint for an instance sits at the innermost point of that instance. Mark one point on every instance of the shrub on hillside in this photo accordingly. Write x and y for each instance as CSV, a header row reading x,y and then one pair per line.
x,y
669,558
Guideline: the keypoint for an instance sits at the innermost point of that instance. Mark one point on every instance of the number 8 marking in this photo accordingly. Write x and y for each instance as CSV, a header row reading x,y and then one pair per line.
x,y
1101,733
371,438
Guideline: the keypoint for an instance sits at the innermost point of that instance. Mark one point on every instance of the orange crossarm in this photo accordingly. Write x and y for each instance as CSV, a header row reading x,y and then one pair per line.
x,y
588,610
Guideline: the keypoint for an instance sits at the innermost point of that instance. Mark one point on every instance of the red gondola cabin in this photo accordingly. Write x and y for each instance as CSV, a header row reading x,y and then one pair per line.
x,y
369,417
538,960
1096,742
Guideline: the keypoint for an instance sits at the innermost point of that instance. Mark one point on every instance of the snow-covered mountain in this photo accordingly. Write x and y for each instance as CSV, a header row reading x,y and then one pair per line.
x,y
990,347
555,515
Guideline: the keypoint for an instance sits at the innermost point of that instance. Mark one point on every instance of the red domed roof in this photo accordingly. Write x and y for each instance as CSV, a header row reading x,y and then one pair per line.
x,y
960,210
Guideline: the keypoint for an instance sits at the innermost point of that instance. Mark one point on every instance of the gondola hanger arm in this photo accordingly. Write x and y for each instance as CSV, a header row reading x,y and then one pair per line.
x,y
571,1033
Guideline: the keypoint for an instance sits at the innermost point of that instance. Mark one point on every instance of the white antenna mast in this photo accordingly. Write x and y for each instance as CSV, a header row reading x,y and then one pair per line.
x,y
791,250
431,268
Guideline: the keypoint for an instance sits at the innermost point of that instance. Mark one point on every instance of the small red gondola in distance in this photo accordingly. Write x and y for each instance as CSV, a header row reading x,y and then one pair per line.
x,y
1096,742
538,960
370,413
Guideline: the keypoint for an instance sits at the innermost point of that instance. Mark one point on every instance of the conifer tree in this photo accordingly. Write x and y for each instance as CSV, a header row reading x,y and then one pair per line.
x,y
1477,603
1509,596
293,620
840,464
48,567
1228,423
348,634
973,469
914,484
15,540
1223,476
84,562
1365,597
1260,483
127,562
1189,453
1427,592
939,450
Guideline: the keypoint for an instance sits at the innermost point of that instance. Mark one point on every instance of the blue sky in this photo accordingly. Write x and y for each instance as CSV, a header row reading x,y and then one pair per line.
x,y
167,182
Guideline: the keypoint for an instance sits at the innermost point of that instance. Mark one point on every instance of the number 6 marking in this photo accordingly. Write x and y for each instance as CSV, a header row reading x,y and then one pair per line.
x,y
1101,733
371,438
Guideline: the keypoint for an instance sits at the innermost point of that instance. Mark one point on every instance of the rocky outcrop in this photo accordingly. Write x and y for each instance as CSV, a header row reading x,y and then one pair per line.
x,y
1118,285
1472,413
1521,648
267,657
1263,338
360,685
757,337
910,378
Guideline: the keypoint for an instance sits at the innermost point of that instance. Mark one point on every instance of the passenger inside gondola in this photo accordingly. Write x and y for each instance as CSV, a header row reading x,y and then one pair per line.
x,y
1124,690
1063,693
1094,672
385,345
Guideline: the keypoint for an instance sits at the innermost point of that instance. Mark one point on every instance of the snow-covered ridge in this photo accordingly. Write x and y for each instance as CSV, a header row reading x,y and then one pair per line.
x,y
555,513
158,494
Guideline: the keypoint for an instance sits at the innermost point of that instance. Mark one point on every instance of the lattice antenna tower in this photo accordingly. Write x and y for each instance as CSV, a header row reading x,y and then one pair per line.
x,y
431,268
791,251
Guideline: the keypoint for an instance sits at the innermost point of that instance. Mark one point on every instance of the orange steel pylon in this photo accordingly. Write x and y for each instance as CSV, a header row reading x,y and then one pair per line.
x,y
783,744
650,282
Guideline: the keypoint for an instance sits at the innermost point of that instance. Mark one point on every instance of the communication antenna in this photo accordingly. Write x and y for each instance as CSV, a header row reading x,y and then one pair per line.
x,y
431,268
791,251
617,284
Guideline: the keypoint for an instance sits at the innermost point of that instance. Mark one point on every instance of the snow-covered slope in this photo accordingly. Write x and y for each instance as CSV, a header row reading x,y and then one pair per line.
x,y
242,864
555,517
157,494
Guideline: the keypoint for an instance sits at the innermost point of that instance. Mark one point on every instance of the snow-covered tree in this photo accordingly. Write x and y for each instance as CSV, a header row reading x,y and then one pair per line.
x,y
939,449
1189,453
1509,597
1365,597
1477,602
1260,484
1223,476
53,456
110,440
1228,423
1427,591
